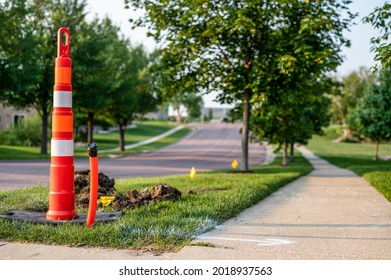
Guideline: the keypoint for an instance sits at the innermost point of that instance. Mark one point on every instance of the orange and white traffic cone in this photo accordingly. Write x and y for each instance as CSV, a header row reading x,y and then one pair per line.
x,y
62,194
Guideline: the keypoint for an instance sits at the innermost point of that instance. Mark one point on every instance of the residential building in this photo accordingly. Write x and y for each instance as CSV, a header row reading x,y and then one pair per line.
x,y
10,116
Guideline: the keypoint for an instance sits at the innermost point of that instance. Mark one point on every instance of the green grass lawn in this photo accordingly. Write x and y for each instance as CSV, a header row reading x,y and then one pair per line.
x,y
167,225
143,131
18,152
358,157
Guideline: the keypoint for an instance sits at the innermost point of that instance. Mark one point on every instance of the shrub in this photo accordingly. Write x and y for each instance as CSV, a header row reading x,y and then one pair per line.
x,y
26,133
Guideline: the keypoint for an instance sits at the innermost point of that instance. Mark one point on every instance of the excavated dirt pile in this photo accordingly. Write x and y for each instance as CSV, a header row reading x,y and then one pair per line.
x,y
128,200
82,187
132,198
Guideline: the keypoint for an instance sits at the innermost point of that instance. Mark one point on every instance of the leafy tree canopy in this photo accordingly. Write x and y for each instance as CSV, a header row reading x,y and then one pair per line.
x,y
246,48
380,19
374,111
28,48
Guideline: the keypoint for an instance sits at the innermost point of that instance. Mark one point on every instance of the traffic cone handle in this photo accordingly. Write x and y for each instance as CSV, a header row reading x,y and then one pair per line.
x,y
63,49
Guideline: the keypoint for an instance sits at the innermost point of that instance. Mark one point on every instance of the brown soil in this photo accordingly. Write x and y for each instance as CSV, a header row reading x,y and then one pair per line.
x,y
128,200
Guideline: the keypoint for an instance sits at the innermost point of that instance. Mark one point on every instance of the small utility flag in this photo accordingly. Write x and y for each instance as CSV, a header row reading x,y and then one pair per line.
x,y
192,172
234,164
106,200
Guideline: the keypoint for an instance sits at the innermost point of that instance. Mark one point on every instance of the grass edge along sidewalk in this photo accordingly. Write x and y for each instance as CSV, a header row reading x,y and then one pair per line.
x,y
167,225
357,157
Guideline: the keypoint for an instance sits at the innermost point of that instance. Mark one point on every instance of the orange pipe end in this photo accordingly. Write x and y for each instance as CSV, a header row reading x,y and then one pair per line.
x,y
93,191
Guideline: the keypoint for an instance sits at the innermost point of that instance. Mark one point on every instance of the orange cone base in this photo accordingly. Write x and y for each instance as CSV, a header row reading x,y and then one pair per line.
x,y
61,195
61,206
61,215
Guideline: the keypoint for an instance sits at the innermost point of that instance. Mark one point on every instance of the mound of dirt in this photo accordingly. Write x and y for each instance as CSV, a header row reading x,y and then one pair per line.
x,y
160,192
82,187
128,200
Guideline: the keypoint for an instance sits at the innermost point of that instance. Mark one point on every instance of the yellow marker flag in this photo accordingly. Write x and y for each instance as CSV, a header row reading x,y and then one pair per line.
x,y
192,172
106,200
234,164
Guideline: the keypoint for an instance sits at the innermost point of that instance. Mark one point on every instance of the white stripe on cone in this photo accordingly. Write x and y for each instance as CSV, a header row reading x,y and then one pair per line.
x,y
61,148
62,99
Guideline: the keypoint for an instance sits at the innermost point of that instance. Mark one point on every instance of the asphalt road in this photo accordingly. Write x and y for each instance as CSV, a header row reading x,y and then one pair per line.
x,y
208,147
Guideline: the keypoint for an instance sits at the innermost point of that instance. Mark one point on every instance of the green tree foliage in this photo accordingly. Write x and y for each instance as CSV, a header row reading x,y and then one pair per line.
x,y
295,120
94,69
374,112
193,103
175,92
245,48
18,70
132,94
352,90
293,106
345,98
190,100
106,72
28,49
380,19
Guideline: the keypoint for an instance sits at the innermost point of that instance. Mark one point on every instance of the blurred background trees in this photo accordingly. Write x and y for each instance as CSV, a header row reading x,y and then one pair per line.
x,y
273,60
108,72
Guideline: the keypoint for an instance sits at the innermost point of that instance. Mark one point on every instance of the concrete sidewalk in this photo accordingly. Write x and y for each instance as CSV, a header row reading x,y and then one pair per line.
x,y
329,214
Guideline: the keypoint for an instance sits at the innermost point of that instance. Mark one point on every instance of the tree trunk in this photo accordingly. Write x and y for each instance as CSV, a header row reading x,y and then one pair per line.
x,y
178,116
377,150
292,152
90,127
346,133
44,140
245,129
121,129
285,154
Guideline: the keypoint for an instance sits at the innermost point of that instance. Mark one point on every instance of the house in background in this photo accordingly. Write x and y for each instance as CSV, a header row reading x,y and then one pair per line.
x,y
159,114
217,113
211,111
174,113
10,116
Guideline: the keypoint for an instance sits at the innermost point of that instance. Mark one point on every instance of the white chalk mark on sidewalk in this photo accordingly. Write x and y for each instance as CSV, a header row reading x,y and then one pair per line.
x,y
265,242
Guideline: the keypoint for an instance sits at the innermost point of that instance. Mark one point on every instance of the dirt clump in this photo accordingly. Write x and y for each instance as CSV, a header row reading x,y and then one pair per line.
x,y
133,198
130,199
162,192
82,187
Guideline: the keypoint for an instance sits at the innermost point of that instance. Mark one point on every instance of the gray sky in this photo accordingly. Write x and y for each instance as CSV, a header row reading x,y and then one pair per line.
x,y
357,55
